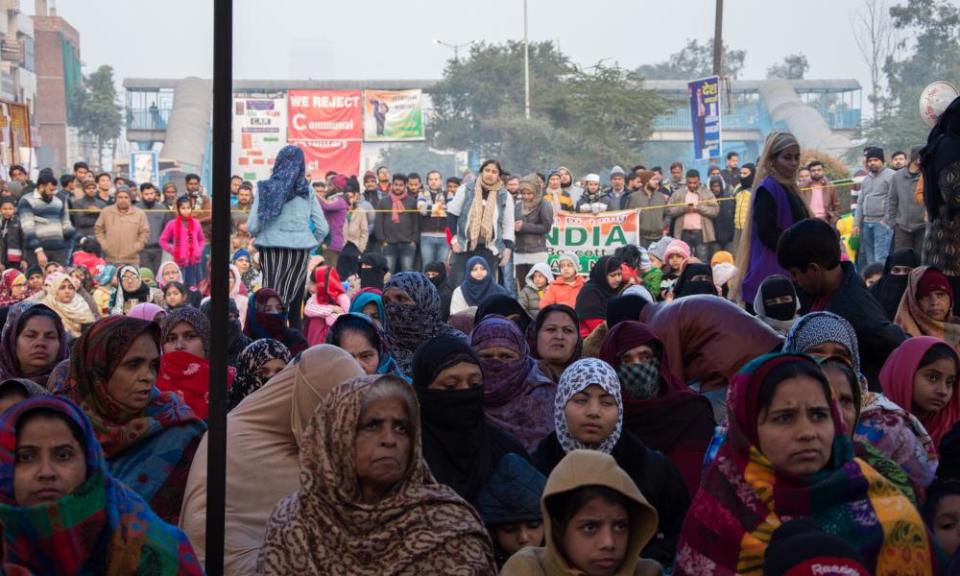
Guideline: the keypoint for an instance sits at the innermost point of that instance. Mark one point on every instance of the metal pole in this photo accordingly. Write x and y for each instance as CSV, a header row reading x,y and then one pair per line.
x,y
526,64
718,41
220,253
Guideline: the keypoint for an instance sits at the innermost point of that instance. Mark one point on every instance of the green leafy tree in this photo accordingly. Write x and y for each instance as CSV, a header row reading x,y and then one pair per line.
x,y
694,61
793,67
95,109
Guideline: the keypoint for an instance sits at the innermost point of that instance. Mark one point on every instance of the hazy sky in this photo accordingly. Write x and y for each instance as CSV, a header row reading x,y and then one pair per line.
x,y
323,39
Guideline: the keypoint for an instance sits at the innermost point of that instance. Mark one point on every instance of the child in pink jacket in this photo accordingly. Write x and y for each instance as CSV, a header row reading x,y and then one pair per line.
x,y
183,239
322,310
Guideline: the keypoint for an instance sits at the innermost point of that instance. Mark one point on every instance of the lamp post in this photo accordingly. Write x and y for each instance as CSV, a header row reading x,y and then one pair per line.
x,y
455,47
526,64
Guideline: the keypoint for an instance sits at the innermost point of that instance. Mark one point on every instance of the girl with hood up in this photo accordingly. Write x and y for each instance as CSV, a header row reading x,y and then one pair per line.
x,y
536,282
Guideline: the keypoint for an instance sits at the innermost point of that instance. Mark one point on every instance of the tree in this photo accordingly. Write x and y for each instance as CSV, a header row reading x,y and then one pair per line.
x,y
95,108
877,40
694,61
793,67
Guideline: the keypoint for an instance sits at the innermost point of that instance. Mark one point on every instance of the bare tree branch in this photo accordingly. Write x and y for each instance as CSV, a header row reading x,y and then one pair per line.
x,y
877,39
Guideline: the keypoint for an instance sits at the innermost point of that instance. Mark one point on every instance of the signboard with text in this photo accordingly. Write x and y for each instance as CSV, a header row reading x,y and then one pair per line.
x,y
321,156
591,236
259,132
317,115
705,117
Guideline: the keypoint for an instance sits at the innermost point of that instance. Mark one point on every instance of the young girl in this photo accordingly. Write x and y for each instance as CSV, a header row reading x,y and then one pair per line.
x,y
34,280
183,239
322,310
536,284
175,296
89,255
564,290
676,255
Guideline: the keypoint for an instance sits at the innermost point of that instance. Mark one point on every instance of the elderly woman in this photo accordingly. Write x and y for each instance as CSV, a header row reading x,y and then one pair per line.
x,y
148,436
412,306
265,433
554,339
256,365
32,343
133,290
786,457
365,486
52,466
61,297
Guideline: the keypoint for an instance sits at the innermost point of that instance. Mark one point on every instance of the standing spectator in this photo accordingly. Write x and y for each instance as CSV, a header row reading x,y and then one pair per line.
x,y
184,240
742,195
241,210
592,199
820,195
651,204
282,205
81,171
104,188
676,182
618,187
481,218
170,196
398,226
898,160
568,185
235,183
68,187
46,224
432,204
693,219
87,209
157,218
940,160
871,210
356,231
904,214
723,225
534,219
122,230
11,235
19,181
559,200
731,174
334,206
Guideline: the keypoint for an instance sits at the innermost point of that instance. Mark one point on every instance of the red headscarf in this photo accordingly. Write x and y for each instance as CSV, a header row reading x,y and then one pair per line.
x,y
896,378
329,286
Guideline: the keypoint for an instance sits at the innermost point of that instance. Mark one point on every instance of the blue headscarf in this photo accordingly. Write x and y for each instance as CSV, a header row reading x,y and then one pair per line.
x,y
364,298
475,292
287,181
241,253
106,275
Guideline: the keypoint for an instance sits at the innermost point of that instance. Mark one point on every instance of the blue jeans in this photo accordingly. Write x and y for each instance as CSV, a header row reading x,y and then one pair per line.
x,y
400,256
433,249
509,278
874,243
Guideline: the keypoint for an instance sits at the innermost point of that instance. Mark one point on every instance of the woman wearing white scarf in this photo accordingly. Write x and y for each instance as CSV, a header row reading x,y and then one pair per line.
x,y
61,296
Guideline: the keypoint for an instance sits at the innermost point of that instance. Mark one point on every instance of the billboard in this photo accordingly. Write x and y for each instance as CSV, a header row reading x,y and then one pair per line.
x,y
591,236
705,117
321,156
144,166
259,132
319,115
392,115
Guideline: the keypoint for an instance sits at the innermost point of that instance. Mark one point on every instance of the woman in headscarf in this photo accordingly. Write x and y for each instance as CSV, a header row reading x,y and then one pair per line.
x,y
554,339
892,285
373,270
605,282
517,396
775,205
169,272
238,293
626,306
777,303
33,342
940,160
35,276
769,471
149,312
248,274
83,280
256,365
281,207
265,432
412,306
73,516
479,283
366,486
370,304
460,445
236,339
13,287
660,410
14,390
61,297
534,219
506,306
696,278
581,481
267,318
926,308
437,273
133,290
148,436
107,283
329,303
184,367
364,340
881,423
588,414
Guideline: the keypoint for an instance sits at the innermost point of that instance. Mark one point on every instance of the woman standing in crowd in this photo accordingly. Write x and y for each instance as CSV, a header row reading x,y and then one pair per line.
x,y
133,290
566,287
479,282
364,482
768,469
256,365
61,297
267,318
323,309
335,206
558,198
587,495
533,223
890,289
775,206
265,432
282,205
462,448
516,396
52,468
182,238
554,339
364,340
660,410
588,413
33,342
605,280
926,308
148,437
356,231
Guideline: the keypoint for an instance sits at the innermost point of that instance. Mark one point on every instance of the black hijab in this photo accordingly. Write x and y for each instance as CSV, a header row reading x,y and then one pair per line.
x,y
889,289
624,307
696,278
942,149
442,286
373,267
747,183
593,297
505,306
460,447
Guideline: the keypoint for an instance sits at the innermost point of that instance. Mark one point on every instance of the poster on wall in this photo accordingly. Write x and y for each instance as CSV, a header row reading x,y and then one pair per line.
x,y
591,236
322,156
259,132
393,115
324,115
144,166
705,115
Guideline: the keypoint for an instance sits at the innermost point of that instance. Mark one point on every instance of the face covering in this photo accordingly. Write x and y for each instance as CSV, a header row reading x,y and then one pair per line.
x,y
785,311
640,381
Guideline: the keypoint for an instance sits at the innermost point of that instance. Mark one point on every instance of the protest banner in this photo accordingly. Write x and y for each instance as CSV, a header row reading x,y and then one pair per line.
x,y
705,117
324,115
144,166
591,236
321,156
259,132
392,115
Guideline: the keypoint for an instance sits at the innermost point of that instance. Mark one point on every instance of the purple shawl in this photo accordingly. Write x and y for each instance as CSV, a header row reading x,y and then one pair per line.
x,y
517,396
763,262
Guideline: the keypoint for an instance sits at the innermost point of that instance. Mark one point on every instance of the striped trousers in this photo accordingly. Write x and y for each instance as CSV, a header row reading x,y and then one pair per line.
x,y
285,270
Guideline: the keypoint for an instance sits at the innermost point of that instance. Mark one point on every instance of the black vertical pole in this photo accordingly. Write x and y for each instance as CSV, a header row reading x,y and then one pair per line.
x,y
217,435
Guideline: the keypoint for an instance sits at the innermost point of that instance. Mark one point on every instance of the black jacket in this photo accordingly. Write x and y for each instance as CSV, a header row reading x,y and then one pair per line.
x,y
723,225
655,476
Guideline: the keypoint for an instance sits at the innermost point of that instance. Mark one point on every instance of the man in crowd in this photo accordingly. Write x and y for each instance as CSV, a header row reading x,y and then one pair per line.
x,y
383,182
871,210
414,183
904,214
370,192
651,204
432,202
676,182
104,188
19,181
568,186
593,200
122,230
235,182
241,211
731,174
398,226
87,209
899,160
694,211
68,187
170,196
157,218
618,186
45,221
821,196
81,171
202,206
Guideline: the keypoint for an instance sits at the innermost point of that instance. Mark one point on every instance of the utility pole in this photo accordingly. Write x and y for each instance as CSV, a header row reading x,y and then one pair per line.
x,y
526,64
718,41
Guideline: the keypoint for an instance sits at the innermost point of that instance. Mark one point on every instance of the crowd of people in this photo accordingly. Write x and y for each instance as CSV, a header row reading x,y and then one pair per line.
x,y
418,385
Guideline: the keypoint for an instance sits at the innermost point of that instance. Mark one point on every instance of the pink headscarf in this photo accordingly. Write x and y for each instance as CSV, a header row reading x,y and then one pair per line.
x,y
145,311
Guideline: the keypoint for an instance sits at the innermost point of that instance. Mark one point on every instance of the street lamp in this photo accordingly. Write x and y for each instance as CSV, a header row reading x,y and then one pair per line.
x,y
526,65
455,47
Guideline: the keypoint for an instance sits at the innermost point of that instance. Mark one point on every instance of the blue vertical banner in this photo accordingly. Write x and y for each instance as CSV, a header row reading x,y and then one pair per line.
x,y
144,167
705,117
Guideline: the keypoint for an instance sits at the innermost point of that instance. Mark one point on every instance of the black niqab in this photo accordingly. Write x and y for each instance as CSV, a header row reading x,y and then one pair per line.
x,y
889,289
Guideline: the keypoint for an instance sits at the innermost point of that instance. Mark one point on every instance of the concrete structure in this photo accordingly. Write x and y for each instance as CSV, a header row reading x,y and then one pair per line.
x,y
58,75
18,79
